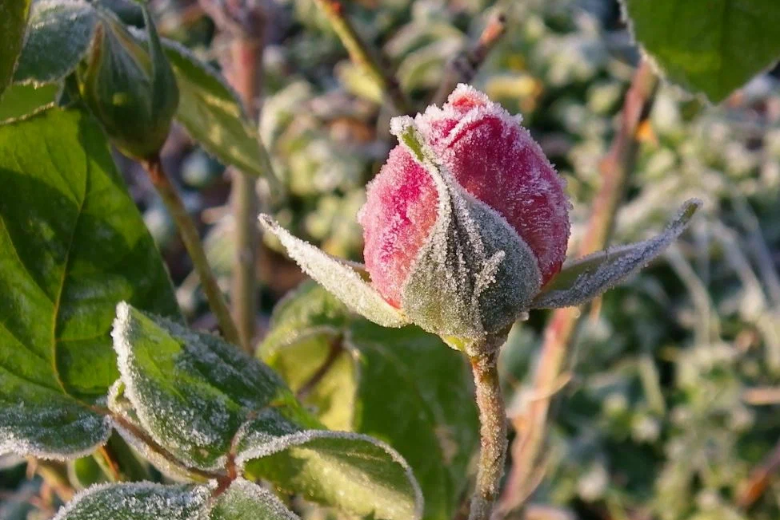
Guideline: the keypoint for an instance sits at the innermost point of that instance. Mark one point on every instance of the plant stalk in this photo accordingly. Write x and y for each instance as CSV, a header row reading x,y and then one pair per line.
x,y
364,56
615,169
493,434
463,67
191,238
246,55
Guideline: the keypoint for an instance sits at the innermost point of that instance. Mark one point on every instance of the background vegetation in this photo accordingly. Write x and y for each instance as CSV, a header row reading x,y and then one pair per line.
x,y
667,406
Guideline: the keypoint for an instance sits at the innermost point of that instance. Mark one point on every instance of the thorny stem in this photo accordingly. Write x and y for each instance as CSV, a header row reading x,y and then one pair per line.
x,y
616,168
493,432
191,239
364,56
464,66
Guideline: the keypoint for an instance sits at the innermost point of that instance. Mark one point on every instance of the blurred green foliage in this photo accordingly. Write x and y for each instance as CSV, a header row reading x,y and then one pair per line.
x,y
674,393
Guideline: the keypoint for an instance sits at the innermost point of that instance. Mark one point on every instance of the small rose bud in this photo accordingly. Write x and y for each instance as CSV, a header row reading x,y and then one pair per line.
x,y
466,228
130,87
500,182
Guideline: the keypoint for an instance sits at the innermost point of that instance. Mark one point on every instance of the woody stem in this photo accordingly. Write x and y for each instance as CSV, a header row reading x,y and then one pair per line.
x,y
493,433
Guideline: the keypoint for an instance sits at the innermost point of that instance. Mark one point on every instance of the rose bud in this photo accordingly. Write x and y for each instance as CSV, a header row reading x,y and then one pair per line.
x,y
466,228
130,87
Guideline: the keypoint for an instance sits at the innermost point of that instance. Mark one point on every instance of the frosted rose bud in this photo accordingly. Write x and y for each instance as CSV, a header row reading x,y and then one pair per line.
x,y
466,228
493,164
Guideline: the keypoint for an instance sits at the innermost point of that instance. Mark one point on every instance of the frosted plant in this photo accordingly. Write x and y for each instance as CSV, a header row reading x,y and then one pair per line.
x,y
466,228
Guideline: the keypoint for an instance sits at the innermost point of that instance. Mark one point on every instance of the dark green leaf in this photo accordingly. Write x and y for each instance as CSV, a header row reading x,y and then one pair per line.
x,y
588,277
403,386
13,21
244,500
350,471
201,398
59,35
711,46
72,245
137,501
191,391
84,472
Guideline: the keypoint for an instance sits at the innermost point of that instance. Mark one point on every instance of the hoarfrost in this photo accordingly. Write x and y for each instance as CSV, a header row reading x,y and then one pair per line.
x,y
338,278
349,470
136,501
245,500
191,391
59,35
586,278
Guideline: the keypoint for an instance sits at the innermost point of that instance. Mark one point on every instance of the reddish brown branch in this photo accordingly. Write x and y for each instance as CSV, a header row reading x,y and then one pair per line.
x,y
465,65
615,169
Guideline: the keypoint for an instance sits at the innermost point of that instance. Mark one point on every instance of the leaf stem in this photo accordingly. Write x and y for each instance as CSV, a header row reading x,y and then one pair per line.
x,y
615,169
191,239
493,433
363,55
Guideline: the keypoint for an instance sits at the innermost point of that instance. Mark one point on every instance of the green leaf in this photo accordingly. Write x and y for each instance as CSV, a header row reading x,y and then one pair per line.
x,y
20,101
244,500
84,472
202,398
340,279
72,244
588,277
137,501
403,386
350,471
213,114
712,46
13,22
191,391
59,35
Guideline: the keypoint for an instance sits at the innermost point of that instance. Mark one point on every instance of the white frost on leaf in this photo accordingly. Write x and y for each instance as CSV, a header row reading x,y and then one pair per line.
x,y
348,470
58,36
338,278
245,500
588,277
136,501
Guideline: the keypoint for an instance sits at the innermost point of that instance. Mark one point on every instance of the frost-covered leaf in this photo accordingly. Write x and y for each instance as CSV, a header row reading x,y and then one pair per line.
x,y
712,46
59,35
212,113
25,100
474,275
137,501
338,278
72,245
404,386
353,472
588,277
191,391
13,21
244,500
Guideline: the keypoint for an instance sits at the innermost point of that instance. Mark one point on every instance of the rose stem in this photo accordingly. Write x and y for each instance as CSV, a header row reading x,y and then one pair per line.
x,y
190,237
493,432
463,67
364,56
617,166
